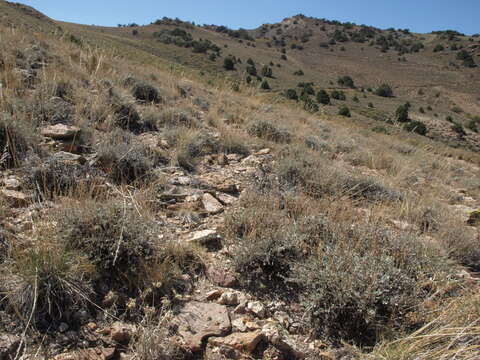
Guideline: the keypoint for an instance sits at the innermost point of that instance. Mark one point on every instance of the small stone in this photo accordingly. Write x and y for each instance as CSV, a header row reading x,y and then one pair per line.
x,y
222,277
263,152
213,295
403,225
239,325
257,308
226,199
12,184
60,132
239,341
204,236
68,157
15,198
211,205
92,326
121,332
229,298
234,157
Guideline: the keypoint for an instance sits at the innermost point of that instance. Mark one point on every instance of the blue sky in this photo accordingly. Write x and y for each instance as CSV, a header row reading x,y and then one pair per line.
x,y
417,15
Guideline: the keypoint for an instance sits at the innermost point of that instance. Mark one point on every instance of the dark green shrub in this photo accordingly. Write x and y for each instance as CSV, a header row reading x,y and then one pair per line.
x,y
299,73
472,125
268,131
355,99
229,64
291,94
338,95
265,85
370,105
466,58
449,118
323,97
416,127
146,93
344,111
458,128
346,81
421,110
267,71
310,106
251,70
384,90
438,48
401,114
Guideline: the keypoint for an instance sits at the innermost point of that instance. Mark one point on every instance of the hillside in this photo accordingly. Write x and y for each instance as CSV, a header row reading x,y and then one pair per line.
x,y
155,205
441,88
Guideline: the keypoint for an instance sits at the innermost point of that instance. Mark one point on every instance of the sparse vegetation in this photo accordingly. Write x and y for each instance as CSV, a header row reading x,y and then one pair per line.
x,y
384,90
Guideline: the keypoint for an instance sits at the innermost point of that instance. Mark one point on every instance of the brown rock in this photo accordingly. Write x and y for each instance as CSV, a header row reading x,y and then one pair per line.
x,y
222,277
197,321
15,198
60,132
211,205
239,341
121,333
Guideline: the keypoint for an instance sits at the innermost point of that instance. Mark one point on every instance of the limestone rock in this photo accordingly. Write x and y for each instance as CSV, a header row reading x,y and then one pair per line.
x,y
211,205
204,237
12,184
229,298
226,199
257,308
60,132
68,157
239,341
197,321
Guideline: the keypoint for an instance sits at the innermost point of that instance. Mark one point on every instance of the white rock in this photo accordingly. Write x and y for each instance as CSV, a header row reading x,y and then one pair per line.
x,y
257,308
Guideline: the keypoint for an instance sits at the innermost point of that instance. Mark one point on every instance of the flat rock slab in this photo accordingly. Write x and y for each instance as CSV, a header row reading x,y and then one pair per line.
x,y
197,321
239,341
60,132
204,237
211,205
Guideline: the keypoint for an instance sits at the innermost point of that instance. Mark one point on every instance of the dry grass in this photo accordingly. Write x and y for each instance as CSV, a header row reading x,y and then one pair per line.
x,y
453,333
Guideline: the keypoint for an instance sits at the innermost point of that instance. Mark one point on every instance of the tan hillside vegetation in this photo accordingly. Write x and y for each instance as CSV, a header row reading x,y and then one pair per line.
x,y
154,205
